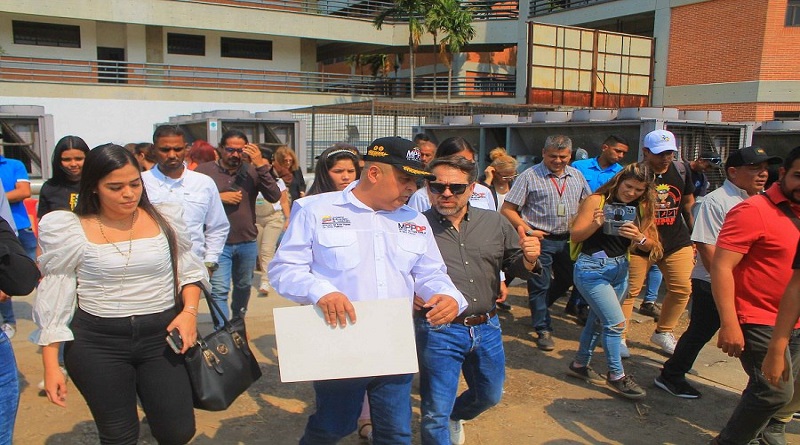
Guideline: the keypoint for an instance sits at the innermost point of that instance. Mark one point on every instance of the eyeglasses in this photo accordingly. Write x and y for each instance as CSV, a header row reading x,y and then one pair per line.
x,y
715,161
508,178
234,150
437,188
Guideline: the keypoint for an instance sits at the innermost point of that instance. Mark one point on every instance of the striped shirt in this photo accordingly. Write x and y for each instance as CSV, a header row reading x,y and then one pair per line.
x,y
536,192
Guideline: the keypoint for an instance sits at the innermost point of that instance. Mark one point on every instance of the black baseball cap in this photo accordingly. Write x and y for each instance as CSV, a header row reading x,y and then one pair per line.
x,y
750,155
400,153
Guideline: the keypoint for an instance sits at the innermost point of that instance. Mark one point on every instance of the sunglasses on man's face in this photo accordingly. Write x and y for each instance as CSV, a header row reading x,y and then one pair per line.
x,y
714,161
437,188
234,150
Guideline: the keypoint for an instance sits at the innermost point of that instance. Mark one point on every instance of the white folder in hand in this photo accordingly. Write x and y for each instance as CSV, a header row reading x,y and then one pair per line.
x,y
381,342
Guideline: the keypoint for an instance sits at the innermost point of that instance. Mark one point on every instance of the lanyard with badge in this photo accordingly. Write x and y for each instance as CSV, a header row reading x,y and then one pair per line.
x,y
561,209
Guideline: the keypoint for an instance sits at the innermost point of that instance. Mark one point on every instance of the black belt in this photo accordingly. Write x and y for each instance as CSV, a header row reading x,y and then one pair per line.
x,y
560,237
469,320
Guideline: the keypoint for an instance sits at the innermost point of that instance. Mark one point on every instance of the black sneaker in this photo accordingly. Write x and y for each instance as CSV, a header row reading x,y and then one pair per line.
x,y
545,341
650,310
627,387
585,373
680,388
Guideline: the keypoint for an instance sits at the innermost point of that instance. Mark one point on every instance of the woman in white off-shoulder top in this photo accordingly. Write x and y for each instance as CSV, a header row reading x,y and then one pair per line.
x,y
108,291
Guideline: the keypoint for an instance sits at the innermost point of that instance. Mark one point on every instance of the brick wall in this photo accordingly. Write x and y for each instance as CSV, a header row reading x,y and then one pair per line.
x,y
762,111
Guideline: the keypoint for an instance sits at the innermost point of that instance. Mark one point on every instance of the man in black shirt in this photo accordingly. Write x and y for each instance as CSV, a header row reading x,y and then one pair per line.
x,y
475,244
674,220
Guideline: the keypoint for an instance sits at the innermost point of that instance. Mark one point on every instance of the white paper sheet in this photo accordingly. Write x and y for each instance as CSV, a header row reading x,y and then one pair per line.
x,y
380,343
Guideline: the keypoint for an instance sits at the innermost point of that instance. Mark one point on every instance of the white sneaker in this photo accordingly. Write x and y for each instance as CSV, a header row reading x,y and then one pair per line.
x,y
457,436
264,288
9,329
66,377
665,340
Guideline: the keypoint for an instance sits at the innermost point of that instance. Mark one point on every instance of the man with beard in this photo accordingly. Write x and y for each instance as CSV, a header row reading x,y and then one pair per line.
x,y
746,172
751,267
238,181
365,244
171,181
472,343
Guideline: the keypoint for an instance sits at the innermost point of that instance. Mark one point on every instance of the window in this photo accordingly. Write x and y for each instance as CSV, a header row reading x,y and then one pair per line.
x,y
786,115
793,13
246,48
46,34
187,44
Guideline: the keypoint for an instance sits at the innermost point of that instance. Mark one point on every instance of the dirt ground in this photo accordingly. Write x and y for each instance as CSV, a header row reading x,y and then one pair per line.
x,y
541,405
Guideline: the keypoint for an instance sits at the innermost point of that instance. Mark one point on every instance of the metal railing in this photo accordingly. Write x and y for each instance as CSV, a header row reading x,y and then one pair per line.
x,y
151,75
544,7
367,9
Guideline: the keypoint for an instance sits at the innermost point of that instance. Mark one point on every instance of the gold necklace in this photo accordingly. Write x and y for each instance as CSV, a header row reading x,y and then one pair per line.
x,y
130,242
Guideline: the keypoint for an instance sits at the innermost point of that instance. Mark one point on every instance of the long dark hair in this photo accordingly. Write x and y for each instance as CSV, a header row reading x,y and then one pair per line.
x,y
454,145
66,143
100,162
329,158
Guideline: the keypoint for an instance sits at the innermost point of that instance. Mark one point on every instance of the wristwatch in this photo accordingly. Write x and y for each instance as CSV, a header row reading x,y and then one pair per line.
x,y
212,266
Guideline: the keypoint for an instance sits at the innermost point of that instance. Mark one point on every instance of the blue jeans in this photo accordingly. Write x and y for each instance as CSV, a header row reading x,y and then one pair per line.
x,y
444,353
603,283
654,278
554,256
339,406
9,390
236,263
7,312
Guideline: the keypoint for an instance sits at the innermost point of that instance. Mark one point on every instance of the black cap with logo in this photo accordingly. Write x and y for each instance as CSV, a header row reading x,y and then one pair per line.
x,y
750,155
400,153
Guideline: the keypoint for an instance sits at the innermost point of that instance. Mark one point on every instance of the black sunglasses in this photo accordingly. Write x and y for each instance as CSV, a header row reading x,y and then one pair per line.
x,y
715,161
437,188
234,150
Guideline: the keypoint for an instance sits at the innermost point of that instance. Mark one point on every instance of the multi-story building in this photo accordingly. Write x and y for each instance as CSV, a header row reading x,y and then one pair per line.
x,y
736,56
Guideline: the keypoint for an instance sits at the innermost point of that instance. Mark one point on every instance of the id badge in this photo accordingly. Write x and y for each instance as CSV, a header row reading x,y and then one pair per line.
x,y
561,210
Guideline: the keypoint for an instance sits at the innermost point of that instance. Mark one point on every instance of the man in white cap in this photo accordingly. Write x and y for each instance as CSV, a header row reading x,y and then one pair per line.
x,y
674,220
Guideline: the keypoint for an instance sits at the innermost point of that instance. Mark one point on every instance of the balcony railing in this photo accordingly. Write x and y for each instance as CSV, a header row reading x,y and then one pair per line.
x,y
151,75
544,7
367,9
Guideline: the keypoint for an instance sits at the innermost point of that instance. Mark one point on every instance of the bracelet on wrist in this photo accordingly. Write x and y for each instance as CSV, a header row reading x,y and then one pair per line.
x,y
642,241
190,312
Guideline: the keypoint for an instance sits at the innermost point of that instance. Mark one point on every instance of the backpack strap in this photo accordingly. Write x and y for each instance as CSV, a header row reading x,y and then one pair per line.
x,y
682,170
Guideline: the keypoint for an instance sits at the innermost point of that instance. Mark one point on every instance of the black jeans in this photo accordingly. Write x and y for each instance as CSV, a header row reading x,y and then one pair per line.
x,y
702,327
760,400
112,360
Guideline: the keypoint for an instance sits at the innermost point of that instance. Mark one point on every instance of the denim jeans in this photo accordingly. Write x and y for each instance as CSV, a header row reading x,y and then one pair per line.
x,y
339,405
603,283
760,400
554,257
9,390
236,263
703,325
445,352
7,312
28,240
654,278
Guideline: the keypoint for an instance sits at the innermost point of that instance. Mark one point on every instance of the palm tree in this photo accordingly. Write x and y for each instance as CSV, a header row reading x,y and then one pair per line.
x,y
435,19
457,24
412,11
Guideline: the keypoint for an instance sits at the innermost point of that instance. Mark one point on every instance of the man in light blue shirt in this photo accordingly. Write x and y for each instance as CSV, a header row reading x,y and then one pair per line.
x,y
171,181
599,170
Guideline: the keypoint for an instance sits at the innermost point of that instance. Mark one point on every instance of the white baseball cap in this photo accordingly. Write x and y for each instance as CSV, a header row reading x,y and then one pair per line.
x,y
659,141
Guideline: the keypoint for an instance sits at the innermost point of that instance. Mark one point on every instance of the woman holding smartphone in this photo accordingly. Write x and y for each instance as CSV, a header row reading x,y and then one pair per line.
x,y
601,270
108,290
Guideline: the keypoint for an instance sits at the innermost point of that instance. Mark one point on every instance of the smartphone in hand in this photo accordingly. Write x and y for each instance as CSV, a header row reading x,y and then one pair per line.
x,y
175,341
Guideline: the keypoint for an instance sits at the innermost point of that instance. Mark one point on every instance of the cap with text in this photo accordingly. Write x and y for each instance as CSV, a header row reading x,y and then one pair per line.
x,y
400,153
750,155
659,141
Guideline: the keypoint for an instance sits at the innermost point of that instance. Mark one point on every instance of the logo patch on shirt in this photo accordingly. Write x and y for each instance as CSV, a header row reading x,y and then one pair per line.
x,y
329,222
411,228
476,196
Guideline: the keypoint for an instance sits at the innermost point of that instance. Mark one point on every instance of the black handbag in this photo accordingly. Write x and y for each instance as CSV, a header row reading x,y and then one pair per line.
x,y
221,366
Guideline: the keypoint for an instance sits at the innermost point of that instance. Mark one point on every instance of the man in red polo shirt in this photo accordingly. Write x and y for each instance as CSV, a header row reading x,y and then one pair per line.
x,y
752,265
